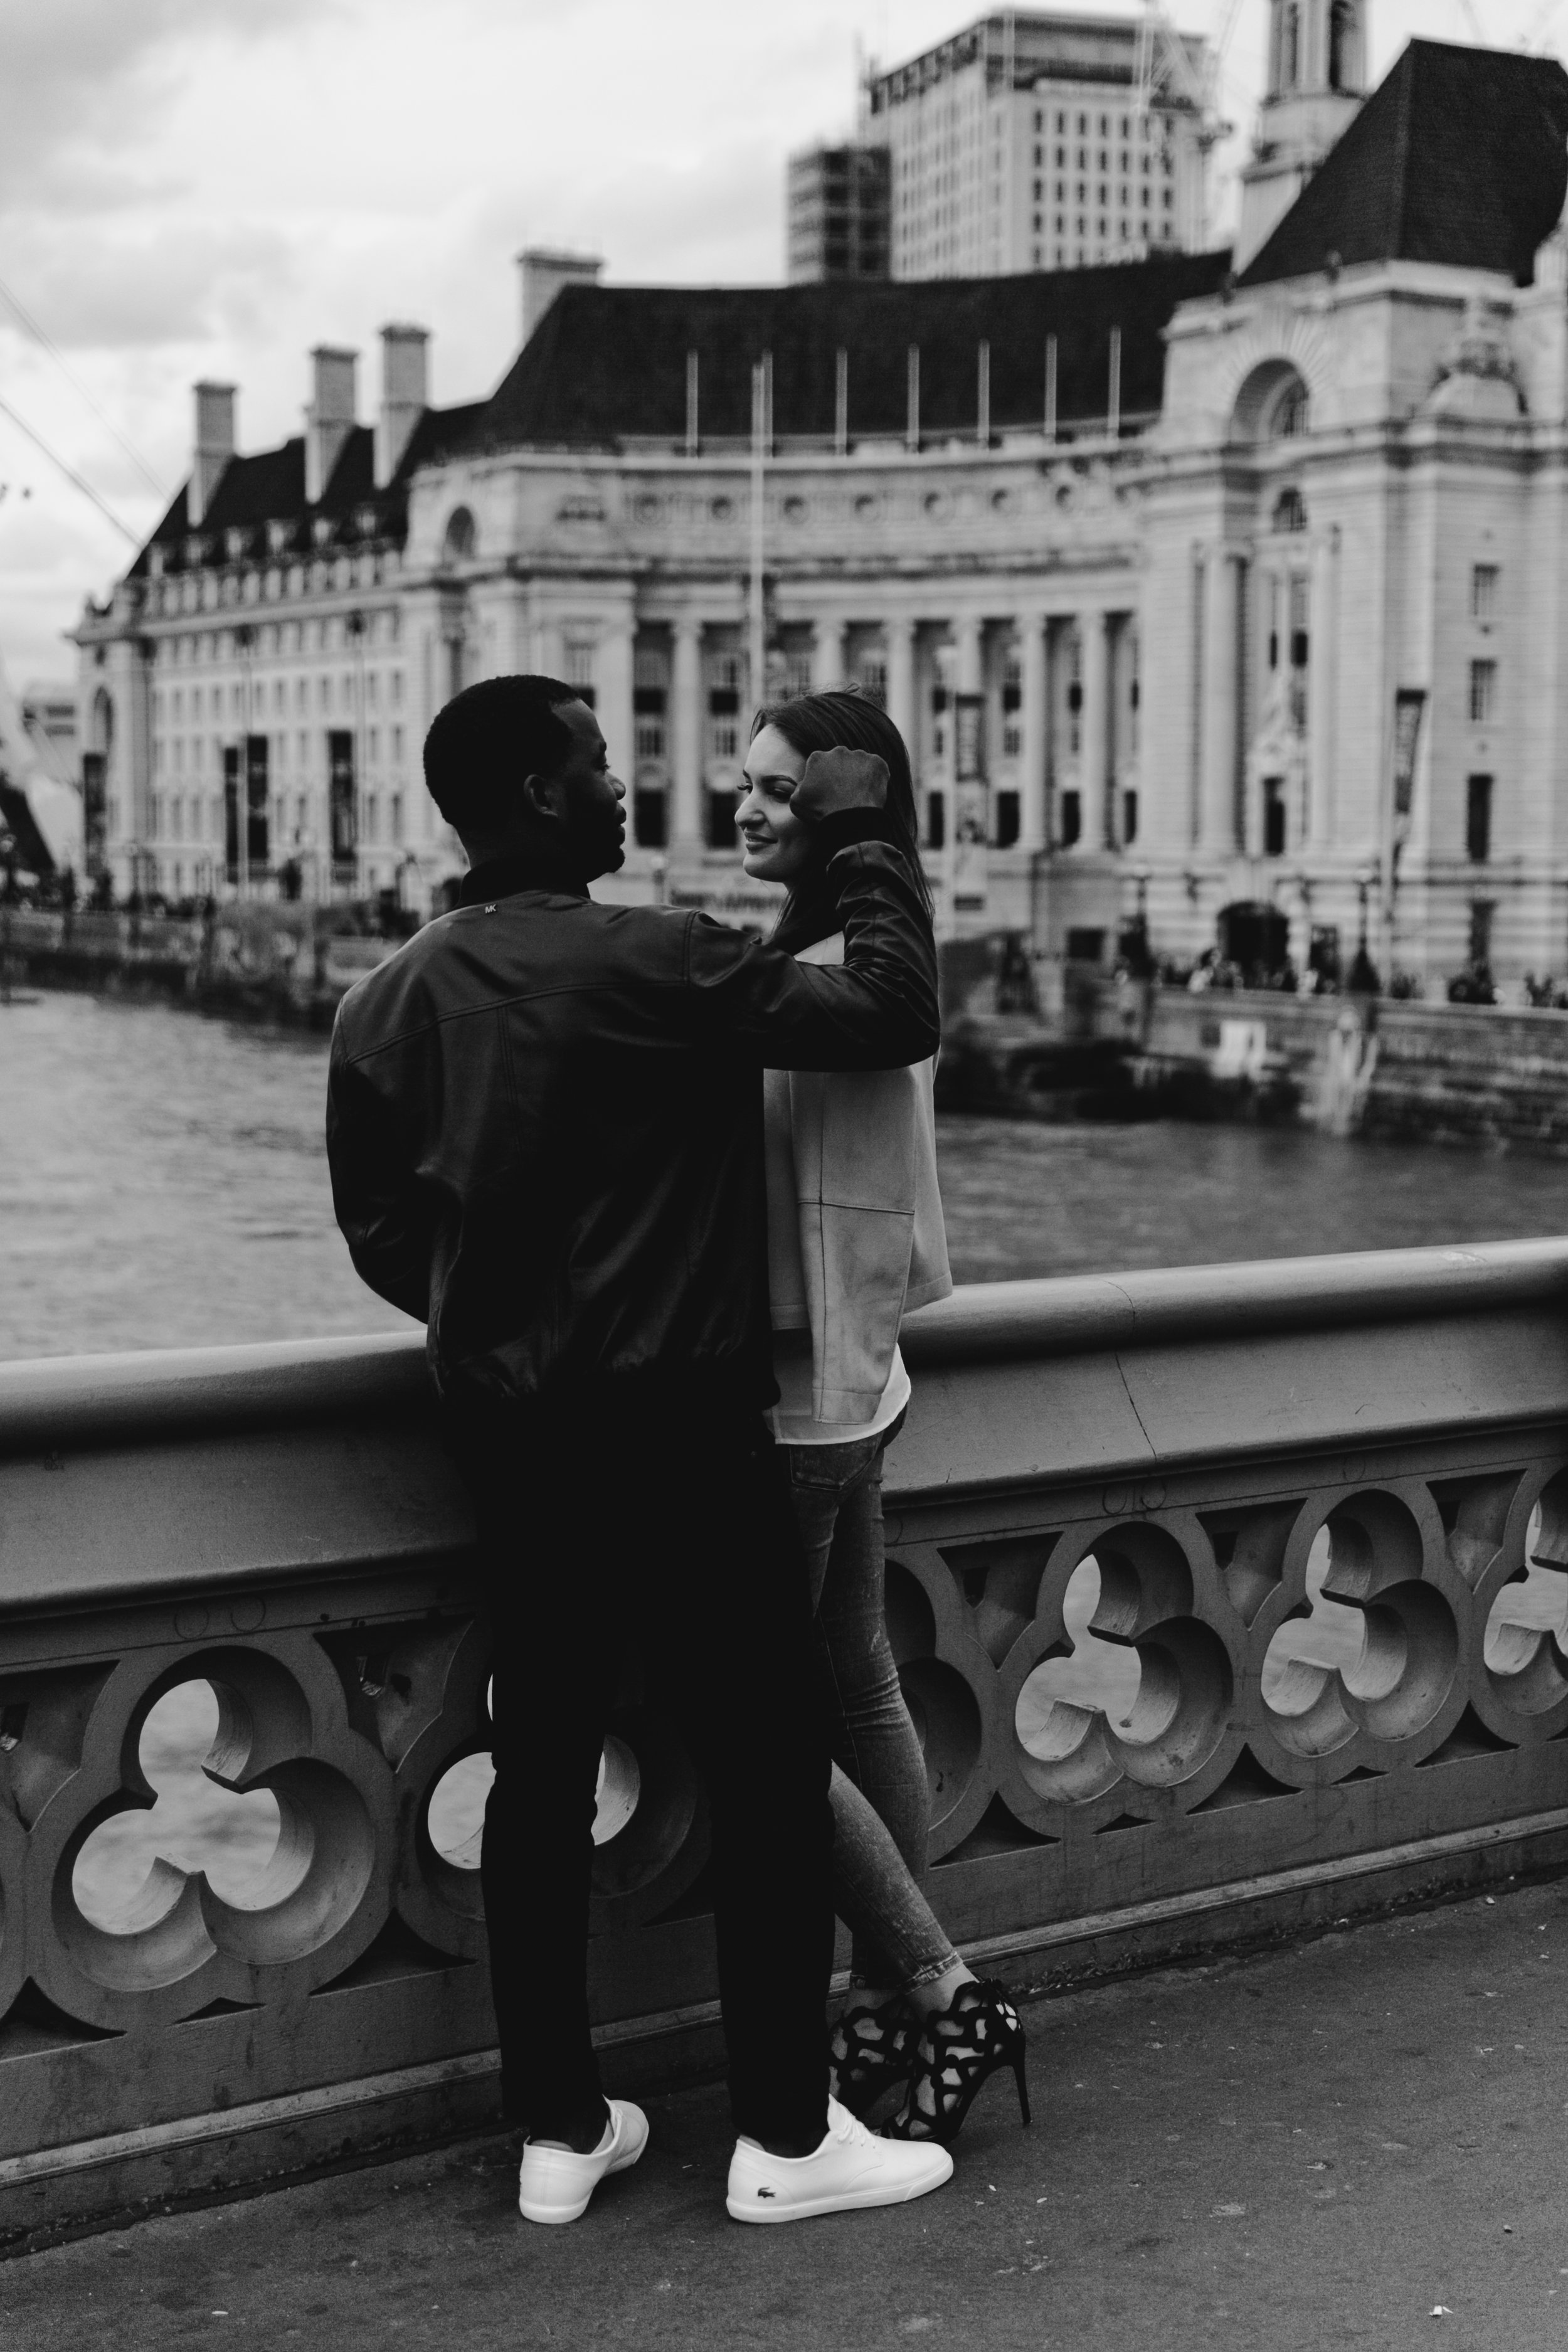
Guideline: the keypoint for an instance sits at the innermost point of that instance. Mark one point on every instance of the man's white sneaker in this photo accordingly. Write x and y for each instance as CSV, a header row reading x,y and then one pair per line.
x,y
850,2170
555,2183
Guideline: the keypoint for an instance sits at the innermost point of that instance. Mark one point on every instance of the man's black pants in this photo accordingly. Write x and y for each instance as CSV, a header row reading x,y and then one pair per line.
x,y
670,1529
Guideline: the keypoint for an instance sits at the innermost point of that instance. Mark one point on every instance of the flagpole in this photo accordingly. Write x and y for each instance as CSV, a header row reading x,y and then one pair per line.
x,y
758,640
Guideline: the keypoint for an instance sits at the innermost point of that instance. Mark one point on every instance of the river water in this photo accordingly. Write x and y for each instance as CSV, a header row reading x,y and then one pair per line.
x,y
163,1183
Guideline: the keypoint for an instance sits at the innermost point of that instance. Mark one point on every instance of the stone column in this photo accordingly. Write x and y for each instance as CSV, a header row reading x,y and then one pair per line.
x,y
1222,634
827,656
899,636
969,668
1035,719
1095,771
1321,622
612,667
686,729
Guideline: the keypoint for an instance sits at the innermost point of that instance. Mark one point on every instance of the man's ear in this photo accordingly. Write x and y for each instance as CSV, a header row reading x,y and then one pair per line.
x,y
540,798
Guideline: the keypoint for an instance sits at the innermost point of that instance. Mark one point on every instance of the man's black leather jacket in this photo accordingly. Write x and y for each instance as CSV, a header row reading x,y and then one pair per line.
x,y
544,1121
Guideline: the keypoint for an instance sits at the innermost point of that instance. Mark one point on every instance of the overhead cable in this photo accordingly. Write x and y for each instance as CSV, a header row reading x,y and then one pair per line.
x,y
70,473
46,342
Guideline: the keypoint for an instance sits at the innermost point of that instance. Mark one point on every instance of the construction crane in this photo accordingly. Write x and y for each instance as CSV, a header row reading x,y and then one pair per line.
x,y
1167,69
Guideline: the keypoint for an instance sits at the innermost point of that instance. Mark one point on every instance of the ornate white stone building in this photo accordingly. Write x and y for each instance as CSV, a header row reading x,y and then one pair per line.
x,y
1236,601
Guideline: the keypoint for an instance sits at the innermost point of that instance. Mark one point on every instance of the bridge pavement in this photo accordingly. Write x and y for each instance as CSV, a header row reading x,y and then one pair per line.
x,y
1360,2141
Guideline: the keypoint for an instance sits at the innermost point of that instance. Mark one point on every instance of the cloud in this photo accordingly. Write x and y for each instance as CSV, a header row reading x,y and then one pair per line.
x,y
171,279
82,76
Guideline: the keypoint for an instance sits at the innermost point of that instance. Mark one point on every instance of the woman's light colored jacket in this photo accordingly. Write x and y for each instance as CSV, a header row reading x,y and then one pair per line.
x,y
856,1235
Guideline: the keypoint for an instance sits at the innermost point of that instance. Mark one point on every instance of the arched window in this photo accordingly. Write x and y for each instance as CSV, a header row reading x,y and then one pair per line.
x,y
1272,405
462,537
1289,419
1289,511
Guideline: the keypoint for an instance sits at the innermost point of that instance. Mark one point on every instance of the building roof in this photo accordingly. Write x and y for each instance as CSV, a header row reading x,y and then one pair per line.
x,y
608,364
268,486
1460,156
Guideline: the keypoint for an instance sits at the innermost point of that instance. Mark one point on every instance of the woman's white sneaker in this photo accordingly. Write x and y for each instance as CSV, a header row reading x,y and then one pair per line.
x,y
555,2183
849,2171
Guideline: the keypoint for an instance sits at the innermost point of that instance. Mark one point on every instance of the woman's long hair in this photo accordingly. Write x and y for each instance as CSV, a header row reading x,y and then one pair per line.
x,y
821,723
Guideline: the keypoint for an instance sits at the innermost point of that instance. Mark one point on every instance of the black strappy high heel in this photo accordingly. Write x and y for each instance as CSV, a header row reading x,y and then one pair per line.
x,y
869,2050
960,2048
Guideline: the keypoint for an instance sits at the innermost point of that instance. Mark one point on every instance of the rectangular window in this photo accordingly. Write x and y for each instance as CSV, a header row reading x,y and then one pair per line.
x,y
647,818
721,821
579,659
936,820
1274,816
1483,591
341,802
1072,819
1007,820
1129,817
1478,818
1483,692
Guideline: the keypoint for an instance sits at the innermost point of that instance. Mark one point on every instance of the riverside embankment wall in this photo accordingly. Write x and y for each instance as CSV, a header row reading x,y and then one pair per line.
x,y
289,962
1479,1072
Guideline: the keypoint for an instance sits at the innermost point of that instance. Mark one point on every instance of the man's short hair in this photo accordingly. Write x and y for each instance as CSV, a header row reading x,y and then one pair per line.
x,y
488,739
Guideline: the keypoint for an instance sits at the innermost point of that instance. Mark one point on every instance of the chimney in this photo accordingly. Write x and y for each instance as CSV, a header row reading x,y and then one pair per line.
x,y
404,395
214,446
544,273
330,418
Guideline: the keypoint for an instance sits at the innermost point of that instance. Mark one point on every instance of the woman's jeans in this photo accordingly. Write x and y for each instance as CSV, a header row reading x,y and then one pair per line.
x,y
881,1799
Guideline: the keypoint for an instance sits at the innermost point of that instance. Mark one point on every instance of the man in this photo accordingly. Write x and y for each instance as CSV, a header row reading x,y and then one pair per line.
x,y
545,1134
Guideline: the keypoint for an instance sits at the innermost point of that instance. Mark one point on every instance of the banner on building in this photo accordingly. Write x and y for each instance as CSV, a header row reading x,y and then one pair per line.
x,y
1409,703
257,846
970,805
231,811
341,802
94,811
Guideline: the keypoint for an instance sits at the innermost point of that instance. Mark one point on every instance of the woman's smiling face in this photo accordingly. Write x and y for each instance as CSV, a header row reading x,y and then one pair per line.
x,y
776,842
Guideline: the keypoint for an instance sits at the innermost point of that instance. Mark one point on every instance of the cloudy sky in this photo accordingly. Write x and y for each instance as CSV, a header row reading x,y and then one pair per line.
x,y
207,187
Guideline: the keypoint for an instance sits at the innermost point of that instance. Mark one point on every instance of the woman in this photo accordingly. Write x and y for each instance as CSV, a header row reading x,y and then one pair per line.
x,y
855,1237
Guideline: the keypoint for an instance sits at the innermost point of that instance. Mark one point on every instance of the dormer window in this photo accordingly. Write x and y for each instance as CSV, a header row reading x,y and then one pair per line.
x,y
196,550
365,522
321,530
154,564
278,534
1289,511
234,545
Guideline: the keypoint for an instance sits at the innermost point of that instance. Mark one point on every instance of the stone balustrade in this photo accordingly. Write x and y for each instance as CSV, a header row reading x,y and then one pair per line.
x,y
1227,1601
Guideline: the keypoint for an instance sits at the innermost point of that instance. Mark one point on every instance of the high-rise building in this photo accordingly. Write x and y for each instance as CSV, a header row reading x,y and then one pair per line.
x,y
1316,80
839,213
1031,142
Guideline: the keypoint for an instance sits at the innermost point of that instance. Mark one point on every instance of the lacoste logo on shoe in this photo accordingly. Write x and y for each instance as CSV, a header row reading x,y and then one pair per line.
x,y
767,2192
